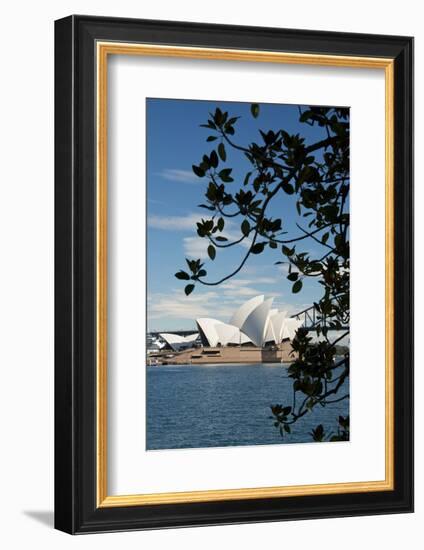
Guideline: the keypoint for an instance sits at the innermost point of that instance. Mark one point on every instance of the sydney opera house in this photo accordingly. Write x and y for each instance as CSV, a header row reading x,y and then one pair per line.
x,y
254,323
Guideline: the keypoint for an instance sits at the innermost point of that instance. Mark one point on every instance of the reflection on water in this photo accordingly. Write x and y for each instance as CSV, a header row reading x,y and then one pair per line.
x,y
222,405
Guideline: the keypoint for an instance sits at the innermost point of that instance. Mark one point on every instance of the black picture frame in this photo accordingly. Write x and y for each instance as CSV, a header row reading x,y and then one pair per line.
x,y
76,509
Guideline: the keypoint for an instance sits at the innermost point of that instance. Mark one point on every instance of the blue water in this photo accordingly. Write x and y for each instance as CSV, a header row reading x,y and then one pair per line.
x,y
223,405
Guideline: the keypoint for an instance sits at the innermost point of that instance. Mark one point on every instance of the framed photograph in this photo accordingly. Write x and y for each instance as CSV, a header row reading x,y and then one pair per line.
x,y
234,288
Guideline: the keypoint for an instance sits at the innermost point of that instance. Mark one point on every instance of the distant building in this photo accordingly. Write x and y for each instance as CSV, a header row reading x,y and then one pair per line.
x,y
177,342
254,322
154,345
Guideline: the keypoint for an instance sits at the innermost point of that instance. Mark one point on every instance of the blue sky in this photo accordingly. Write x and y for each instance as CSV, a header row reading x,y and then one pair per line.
x,y
175,141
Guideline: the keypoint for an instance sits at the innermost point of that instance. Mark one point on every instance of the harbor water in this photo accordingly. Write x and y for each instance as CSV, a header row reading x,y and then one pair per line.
x,y
195,406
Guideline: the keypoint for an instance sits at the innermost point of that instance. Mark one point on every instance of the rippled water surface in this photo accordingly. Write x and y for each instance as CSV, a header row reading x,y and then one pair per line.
x,y
222,405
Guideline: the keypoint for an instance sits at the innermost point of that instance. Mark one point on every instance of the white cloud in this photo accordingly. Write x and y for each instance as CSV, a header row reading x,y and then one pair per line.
x,y
266,280
188,222
174,310
180,176
243,287
195,247
175,305
283,268
233,234
245,291
262,271
173,223
154,201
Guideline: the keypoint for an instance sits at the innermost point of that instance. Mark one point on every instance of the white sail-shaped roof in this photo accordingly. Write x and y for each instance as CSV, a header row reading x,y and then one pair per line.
x,y
244,339
218,333
277,323
256,324
290,327
227,334
208,328
176,341
245,310
270,334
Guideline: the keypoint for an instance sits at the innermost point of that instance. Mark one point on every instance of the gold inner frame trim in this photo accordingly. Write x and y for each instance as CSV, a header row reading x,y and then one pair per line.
x,y
103,50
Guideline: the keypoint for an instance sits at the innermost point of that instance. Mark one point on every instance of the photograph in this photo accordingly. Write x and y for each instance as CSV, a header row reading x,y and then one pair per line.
x,y
248,273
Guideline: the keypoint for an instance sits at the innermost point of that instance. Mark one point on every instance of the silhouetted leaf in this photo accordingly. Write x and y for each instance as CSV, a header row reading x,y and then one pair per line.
x,y
254,109
305,116
189,289
246,179
245,228
198,171
221,151
257,248
288,188
225,175
287,251
214,159
211,252
297,287
318,433
182,275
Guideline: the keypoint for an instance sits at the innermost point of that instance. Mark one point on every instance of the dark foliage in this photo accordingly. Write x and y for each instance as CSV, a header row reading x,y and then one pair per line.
x,y
317,175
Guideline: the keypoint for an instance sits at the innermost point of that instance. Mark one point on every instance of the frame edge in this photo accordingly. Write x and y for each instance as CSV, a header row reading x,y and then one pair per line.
x,y
64,448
